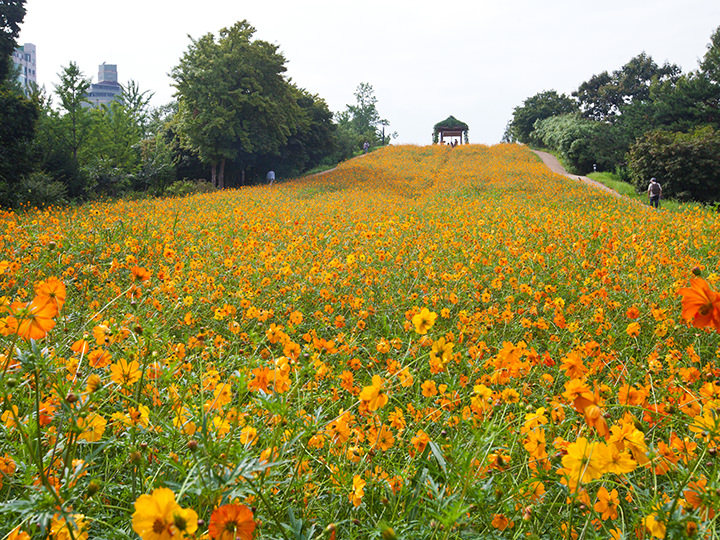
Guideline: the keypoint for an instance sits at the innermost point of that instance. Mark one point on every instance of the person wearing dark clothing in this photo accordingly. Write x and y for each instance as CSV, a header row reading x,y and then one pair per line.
x,y
654,192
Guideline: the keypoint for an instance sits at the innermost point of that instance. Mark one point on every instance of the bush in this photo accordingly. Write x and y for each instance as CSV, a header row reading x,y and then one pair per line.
x,y
188,187
39,189
104,179
687,165
582,143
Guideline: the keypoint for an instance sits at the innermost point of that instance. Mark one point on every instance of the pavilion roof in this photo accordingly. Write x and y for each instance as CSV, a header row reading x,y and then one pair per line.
x,y
451,124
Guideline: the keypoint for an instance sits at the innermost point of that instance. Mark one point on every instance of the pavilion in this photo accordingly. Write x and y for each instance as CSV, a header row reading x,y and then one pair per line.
x,y
451,128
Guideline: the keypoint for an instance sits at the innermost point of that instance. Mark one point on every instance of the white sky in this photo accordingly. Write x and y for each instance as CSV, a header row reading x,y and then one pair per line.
x,y
426,60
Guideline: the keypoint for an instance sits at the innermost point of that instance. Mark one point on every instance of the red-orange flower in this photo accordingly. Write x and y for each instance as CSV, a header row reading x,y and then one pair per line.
x,y
231,521
51,290
34,319
700,304
139,273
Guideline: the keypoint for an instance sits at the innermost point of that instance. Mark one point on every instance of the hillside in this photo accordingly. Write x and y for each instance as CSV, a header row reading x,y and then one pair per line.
x,y
448,343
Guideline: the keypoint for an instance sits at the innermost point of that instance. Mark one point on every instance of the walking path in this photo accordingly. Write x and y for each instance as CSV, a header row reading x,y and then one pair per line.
x,y
554,165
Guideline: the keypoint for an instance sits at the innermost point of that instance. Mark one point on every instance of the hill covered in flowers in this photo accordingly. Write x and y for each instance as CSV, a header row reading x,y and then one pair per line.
x,y
425,342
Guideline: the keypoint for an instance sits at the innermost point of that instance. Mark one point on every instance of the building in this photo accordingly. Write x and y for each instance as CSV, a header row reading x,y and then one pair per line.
x,y
107,88
25,60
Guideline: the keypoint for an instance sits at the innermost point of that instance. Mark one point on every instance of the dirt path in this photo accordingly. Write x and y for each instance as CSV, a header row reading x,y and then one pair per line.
x,y
554,165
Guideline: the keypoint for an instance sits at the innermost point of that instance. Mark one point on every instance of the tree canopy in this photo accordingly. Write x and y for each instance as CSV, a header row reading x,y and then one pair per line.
x,y
12,13
535,108
233,98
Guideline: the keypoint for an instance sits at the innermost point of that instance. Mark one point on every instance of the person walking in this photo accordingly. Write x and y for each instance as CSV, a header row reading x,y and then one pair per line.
x,y
366,147
270,177
654,192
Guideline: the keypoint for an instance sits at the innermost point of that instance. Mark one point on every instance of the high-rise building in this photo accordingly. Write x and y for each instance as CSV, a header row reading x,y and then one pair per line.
x,y
25,59
107,88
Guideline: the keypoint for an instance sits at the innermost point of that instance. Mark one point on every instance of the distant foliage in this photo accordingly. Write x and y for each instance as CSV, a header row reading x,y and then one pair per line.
x,y
40,190
658,105
189,187
581,143
685,164
536,108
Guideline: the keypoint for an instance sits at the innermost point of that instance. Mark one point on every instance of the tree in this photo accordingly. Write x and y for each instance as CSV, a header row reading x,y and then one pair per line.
x,y
18,117
309,144
604,97
233,99
685,164
72,92
710,65
136,103
582,143
538,107
12,13
362,121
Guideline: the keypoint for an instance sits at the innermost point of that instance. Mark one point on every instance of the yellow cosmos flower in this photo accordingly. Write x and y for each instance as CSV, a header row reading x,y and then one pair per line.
x,y
424,321
374,395
159,517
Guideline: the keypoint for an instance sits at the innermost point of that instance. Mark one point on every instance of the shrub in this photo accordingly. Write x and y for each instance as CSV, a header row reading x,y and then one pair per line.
x,y
687,165
39,189
188,187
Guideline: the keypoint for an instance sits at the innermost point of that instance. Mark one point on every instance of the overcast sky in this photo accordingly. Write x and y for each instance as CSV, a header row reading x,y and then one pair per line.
x,y
426,60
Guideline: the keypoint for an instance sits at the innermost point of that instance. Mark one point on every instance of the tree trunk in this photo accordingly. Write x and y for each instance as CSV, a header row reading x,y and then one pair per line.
x,y
213,173
221,175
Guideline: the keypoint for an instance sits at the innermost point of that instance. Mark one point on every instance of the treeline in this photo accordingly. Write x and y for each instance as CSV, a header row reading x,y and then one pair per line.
x,y
235,117
640,121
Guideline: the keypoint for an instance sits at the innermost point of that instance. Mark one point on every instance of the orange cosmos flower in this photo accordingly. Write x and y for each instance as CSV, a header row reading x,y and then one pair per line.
x,y
18,534
583,461
139,274
231,521
124,372
607,503
656,528
160,517
358,491
700,304
501,522
34,319
60,527
420,441
51,290
374,395
588,404
633,329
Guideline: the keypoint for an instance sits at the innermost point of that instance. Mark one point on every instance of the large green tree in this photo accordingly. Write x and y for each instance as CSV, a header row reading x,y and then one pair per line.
x,y
234,101
72,92
538,107
605,96
362,122
12,13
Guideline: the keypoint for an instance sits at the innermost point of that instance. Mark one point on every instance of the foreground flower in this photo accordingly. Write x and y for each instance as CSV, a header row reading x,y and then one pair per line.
x,y
60,528
583,462
656,528
159,517
700,304
374,395
231,521
18,534
358,491
34,319
424,321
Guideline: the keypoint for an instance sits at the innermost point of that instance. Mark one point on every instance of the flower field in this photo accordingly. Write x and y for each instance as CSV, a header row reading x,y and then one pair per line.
x,y
425,342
